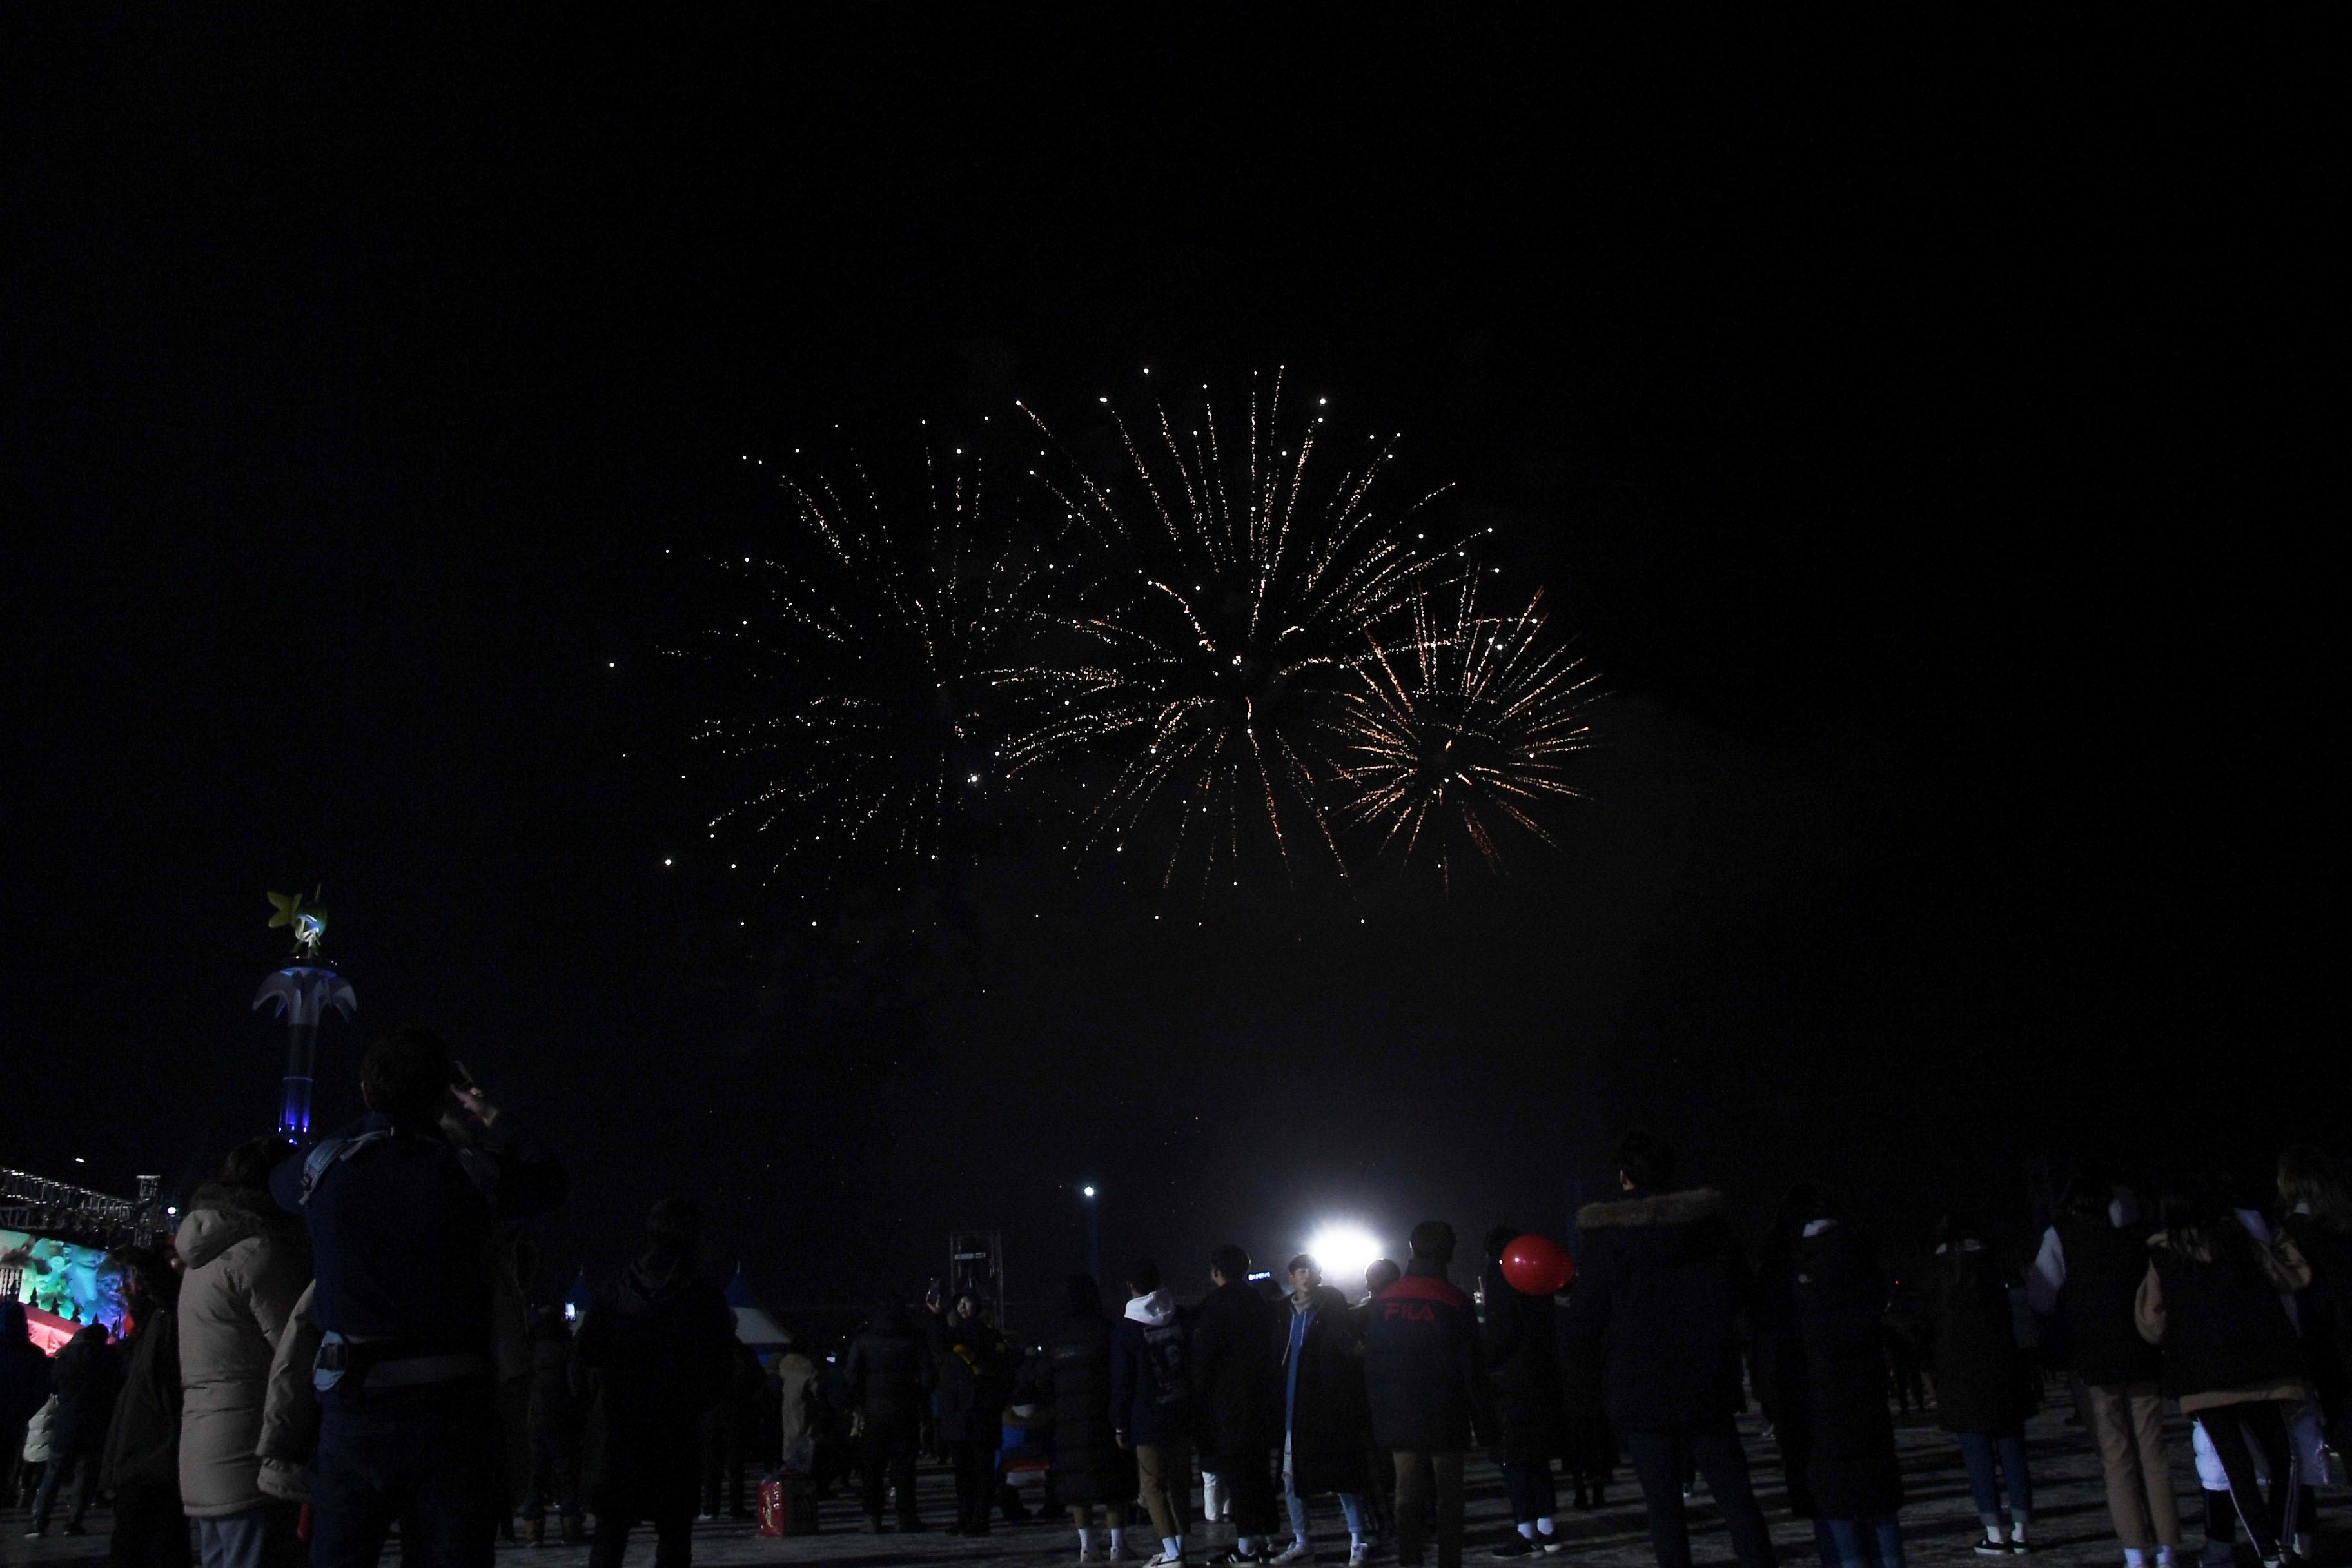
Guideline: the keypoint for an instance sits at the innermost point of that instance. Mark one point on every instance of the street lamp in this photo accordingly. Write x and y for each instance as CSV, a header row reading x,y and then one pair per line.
x,y
1094,1231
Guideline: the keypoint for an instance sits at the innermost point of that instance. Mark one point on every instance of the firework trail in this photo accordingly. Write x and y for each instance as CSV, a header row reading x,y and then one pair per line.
x,y
860,652
1226,583
1459,732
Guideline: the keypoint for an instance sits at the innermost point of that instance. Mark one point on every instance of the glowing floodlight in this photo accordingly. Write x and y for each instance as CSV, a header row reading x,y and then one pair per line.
x,y
1343,1251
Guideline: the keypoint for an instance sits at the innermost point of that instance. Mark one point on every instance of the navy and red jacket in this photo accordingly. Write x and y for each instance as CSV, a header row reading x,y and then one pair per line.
x,y
1424,1367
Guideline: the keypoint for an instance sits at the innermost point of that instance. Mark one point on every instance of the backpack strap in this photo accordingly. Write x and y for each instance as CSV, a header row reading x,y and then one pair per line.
x,y
333,1151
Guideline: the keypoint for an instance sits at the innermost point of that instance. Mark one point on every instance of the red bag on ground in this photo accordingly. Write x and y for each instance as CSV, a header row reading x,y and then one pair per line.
x,y
775,1512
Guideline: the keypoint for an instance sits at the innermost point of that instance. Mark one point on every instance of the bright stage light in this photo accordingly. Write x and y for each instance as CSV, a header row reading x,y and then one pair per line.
x,y
1343,1252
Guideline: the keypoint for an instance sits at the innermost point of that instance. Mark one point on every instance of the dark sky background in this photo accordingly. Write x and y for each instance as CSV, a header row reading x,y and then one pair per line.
x,y
1921,430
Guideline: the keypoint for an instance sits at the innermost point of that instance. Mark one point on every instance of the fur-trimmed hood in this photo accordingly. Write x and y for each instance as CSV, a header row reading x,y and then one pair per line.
x,y
1686,1208
219,1218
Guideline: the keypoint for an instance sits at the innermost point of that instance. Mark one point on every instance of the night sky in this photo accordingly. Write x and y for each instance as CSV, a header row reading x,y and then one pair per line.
x,y
1918,430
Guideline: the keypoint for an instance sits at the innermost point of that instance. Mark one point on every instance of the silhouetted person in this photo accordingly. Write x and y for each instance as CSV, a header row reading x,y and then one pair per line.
x,y
1986,1387
1425,1374
1238,1390
89,1378
974,1378
1659,1292
1850,1467
24,1389
1531,1416
554,1420
2087,1273
890,1377
2231,1355
654,1356
400,1225
143,1441
1090,1469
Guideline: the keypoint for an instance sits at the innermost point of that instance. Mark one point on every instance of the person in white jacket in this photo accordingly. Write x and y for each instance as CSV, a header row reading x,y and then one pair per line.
x,y
248,1264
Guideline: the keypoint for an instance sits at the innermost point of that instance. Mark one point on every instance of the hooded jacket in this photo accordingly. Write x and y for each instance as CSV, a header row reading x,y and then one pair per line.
x,y
246,1266
1660,1287
655,1353
1150,1386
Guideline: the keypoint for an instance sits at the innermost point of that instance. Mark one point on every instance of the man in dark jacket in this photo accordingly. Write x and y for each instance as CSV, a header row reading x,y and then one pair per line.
x,y
1426,1376
1152,1404
400,1225
890,1378
1238,1391
1523,1349
89,1379
24,1389
653,1357
1659,1290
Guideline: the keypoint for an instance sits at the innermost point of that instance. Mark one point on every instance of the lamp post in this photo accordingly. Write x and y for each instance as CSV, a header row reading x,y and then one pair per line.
x,y
1092,1200
304,990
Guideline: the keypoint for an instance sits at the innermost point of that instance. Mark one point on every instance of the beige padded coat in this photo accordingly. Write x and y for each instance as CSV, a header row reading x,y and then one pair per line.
x,y
247,1264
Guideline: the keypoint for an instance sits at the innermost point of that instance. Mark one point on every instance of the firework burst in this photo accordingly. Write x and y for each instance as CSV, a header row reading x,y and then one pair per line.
x,y
860,652
1226,580
1458,734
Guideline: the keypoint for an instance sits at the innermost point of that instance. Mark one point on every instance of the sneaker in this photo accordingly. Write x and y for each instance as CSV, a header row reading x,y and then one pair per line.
x,y
1117,1552
1518,1546
1359,1556
1232,1554
1091,1555
1161,1559
1297,1551
1993,1546
1553,1544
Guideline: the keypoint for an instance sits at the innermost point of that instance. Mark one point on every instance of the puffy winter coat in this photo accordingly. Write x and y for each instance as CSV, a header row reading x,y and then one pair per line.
x,y
89,1378
1088,1465
1424,1368
1523,1354
890,1370
655,1353
1236,1386
1330,1418
246,1266
1984,1382
1659,1291
289,1411
1841,1301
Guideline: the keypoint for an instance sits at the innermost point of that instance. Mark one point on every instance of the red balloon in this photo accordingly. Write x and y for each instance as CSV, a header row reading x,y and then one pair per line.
x,y
1538,1266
